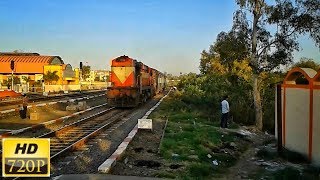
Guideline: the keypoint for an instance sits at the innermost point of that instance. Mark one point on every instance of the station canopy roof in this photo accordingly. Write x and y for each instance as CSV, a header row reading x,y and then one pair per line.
x,y
26,63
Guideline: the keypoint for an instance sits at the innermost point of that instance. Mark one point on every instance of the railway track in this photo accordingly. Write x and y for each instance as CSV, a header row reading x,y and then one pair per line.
x,y
59,123
80,135
75,135
5,104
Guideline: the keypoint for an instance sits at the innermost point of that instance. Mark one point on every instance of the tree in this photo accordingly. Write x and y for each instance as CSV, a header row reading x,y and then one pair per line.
x,y
307,63
50,77
18,51
86,72
233,45
229,47
26,79
210,62
270,49
16,80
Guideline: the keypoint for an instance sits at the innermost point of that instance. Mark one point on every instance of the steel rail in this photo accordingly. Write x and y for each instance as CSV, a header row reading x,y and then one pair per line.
x,y
69,125
82,140
85,133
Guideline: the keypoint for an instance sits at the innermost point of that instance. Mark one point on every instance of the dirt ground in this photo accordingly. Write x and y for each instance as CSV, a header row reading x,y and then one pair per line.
x,y
141,157
246,165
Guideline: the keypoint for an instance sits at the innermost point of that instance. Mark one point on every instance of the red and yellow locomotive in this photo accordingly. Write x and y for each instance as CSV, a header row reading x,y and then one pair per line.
x,y
132,82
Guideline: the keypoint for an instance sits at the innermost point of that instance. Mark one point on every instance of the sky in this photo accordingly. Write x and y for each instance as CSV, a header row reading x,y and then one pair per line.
x,y
168,35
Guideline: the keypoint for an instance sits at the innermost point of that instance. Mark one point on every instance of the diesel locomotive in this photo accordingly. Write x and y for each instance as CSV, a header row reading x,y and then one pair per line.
x,y
132,82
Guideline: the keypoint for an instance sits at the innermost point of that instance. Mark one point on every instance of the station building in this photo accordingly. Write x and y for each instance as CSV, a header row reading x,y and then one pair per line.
x,y
67,76
29,69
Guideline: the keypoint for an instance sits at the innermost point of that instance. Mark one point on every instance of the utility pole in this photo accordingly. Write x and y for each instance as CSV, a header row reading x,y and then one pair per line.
x,y
12,68
11,80
80,74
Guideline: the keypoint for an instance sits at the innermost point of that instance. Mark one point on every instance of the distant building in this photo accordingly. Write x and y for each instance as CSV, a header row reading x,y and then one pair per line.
x,y
65,72
29,69
98,75
102,75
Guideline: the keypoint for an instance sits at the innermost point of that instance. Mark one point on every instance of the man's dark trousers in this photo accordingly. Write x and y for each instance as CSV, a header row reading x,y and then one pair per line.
x,y
224,120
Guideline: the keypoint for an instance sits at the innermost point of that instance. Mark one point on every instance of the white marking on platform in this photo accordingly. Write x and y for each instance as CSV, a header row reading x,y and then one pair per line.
x,y
110,162
77,113
7,111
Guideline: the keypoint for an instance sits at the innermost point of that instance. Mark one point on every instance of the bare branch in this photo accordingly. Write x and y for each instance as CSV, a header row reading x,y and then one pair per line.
x,y
273,42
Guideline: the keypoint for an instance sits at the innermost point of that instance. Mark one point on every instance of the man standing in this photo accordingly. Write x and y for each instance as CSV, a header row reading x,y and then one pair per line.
x,y
225,112
25,106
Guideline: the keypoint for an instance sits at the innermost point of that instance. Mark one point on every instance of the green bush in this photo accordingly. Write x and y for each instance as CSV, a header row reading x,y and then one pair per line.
x,y
204,94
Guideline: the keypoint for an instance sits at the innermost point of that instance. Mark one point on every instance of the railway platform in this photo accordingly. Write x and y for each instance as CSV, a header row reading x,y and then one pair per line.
x,y
6,106
64,94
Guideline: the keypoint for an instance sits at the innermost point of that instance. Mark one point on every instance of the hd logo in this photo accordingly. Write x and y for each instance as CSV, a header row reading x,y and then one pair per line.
x,y
25,157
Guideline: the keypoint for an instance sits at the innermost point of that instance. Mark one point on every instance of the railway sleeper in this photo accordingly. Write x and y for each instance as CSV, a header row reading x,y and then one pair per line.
x,y
60,144
71,158
71,138
64,163
89,128
86,148
84,129
76,132
56,141
70,135
58,147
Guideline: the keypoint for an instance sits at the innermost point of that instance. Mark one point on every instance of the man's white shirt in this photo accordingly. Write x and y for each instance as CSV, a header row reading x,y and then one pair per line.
x,y
224,106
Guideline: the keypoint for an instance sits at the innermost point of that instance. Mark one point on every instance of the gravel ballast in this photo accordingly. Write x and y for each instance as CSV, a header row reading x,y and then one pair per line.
x,y
101,147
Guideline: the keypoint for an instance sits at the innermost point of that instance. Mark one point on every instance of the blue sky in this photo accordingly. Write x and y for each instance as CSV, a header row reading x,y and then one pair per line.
x,y
165,34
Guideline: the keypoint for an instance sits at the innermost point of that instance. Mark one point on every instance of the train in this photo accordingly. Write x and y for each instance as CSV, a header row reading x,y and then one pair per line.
x,y
132,82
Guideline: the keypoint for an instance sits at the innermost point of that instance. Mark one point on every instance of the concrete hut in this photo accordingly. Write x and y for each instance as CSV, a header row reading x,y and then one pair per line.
x,y
300,99
316,120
